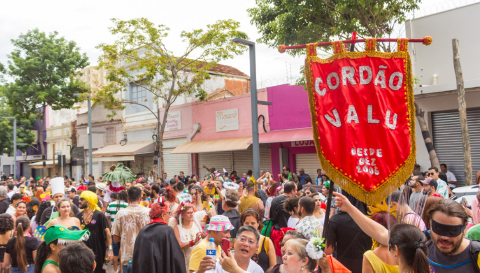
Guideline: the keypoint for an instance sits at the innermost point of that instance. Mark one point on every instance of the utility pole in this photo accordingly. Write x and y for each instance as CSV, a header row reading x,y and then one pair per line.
x,y
255,102
462,114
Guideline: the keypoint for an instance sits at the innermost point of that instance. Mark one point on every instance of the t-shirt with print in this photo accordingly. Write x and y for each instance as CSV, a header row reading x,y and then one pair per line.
x,y
442,188
308,225
442,263
31,244
198,252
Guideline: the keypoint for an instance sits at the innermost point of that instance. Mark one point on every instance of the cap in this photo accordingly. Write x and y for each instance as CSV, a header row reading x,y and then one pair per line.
x,y
427,181
417,166
100,186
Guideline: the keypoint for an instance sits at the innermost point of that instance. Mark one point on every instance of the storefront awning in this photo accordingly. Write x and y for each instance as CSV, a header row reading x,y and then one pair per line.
x,y
39,165
126,152
286,135
218,145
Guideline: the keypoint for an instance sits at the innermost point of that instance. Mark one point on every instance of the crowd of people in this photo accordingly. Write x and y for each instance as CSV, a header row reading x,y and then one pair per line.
x,y
255,225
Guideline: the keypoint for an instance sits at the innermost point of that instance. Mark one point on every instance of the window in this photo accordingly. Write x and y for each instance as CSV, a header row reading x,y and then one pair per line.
x,y
139,94
110,135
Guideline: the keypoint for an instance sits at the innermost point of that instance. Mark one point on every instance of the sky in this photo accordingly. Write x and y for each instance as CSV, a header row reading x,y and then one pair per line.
x,y
86,22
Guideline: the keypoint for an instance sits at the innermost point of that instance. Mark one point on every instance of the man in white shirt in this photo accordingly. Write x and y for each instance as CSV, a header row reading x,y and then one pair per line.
x,y
245,247
11,189
451,179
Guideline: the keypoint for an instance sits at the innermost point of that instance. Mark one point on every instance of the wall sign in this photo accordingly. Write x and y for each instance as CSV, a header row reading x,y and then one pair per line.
x,y
227,120
174,121
303,143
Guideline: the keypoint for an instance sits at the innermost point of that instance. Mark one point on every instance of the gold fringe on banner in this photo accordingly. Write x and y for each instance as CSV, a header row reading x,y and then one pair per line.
x,y
401,174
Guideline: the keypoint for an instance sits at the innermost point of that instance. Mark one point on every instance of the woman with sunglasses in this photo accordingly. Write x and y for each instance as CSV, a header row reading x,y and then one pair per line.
x,y
265,256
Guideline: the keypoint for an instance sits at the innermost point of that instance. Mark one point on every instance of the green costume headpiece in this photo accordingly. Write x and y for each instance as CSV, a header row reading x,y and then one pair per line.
x,y
64,235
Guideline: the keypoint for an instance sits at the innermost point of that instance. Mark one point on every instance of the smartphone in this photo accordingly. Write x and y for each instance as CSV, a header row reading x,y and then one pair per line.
x,y
225,245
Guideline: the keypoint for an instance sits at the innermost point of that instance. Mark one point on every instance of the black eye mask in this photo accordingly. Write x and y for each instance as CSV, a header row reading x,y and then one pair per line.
x,y
447,230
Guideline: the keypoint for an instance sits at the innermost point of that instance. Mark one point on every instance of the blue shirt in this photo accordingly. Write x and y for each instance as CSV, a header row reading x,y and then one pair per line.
x,y
302,178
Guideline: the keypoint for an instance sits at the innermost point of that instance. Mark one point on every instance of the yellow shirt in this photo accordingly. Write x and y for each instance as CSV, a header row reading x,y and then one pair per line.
x,y
378,265
198,252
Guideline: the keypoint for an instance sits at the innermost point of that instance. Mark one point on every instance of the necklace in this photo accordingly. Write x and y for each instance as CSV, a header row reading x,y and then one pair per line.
x,y
87,217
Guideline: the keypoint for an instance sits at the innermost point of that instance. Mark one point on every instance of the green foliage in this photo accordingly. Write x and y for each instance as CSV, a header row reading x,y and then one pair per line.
x,y
292,22
121,174
24,125
43,68
140,57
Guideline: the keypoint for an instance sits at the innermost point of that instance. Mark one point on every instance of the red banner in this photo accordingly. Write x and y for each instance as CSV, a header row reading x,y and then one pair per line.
x,y
363,118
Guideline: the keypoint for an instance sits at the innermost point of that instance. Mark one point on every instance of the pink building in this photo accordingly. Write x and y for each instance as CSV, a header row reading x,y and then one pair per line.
x,y
291,135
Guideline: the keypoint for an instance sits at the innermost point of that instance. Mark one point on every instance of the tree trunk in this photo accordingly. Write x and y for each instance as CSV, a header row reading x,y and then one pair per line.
x,y
462,114
41,123
420,114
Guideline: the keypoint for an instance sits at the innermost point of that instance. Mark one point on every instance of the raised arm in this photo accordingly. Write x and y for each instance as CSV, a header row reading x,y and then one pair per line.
x,y
370,227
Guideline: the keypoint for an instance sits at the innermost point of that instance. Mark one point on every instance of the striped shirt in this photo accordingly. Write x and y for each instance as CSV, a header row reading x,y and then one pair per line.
x,y
114,207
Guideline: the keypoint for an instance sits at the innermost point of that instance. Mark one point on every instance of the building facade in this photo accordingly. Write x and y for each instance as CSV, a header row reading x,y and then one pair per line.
x,y
436,91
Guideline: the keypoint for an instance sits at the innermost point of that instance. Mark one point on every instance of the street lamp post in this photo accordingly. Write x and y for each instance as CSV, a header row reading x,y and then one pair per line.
x,y
89,133
254,102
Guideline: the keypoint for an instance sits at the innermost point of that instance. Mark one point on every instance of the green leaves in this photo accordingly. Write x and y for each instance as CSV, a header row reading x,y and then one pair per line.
x,y
121,174
139,57
292,22
43,68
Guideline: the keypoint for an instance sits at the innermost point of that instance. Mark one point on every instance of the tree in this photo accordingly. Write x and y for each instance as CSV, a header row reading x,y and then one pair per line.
x,y
43,69
292,22
24,127
289,22
140,58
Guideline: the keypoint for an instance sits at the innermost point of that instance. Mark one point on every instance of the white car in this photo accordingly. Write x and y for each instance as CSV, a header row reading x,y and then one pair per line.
x,y
467,193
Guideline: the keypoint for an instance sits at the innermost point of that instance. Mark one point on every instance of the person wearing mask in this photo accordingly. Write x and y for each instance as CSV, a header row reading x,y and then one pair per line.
x,y
65,215
55,238
265,255
92,218
6,232
442,188
291,206
21,250
245,246
187,230
76,258
58,193
16,198
448,249
250,201
126,226
218,228
278,215
4,200
417,197
229,205
308,224
156,249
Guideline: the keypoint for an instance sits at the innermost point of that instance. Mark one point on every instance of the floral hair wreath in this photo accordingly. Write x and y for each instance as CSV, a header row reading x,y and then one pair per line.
x,y
183,207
